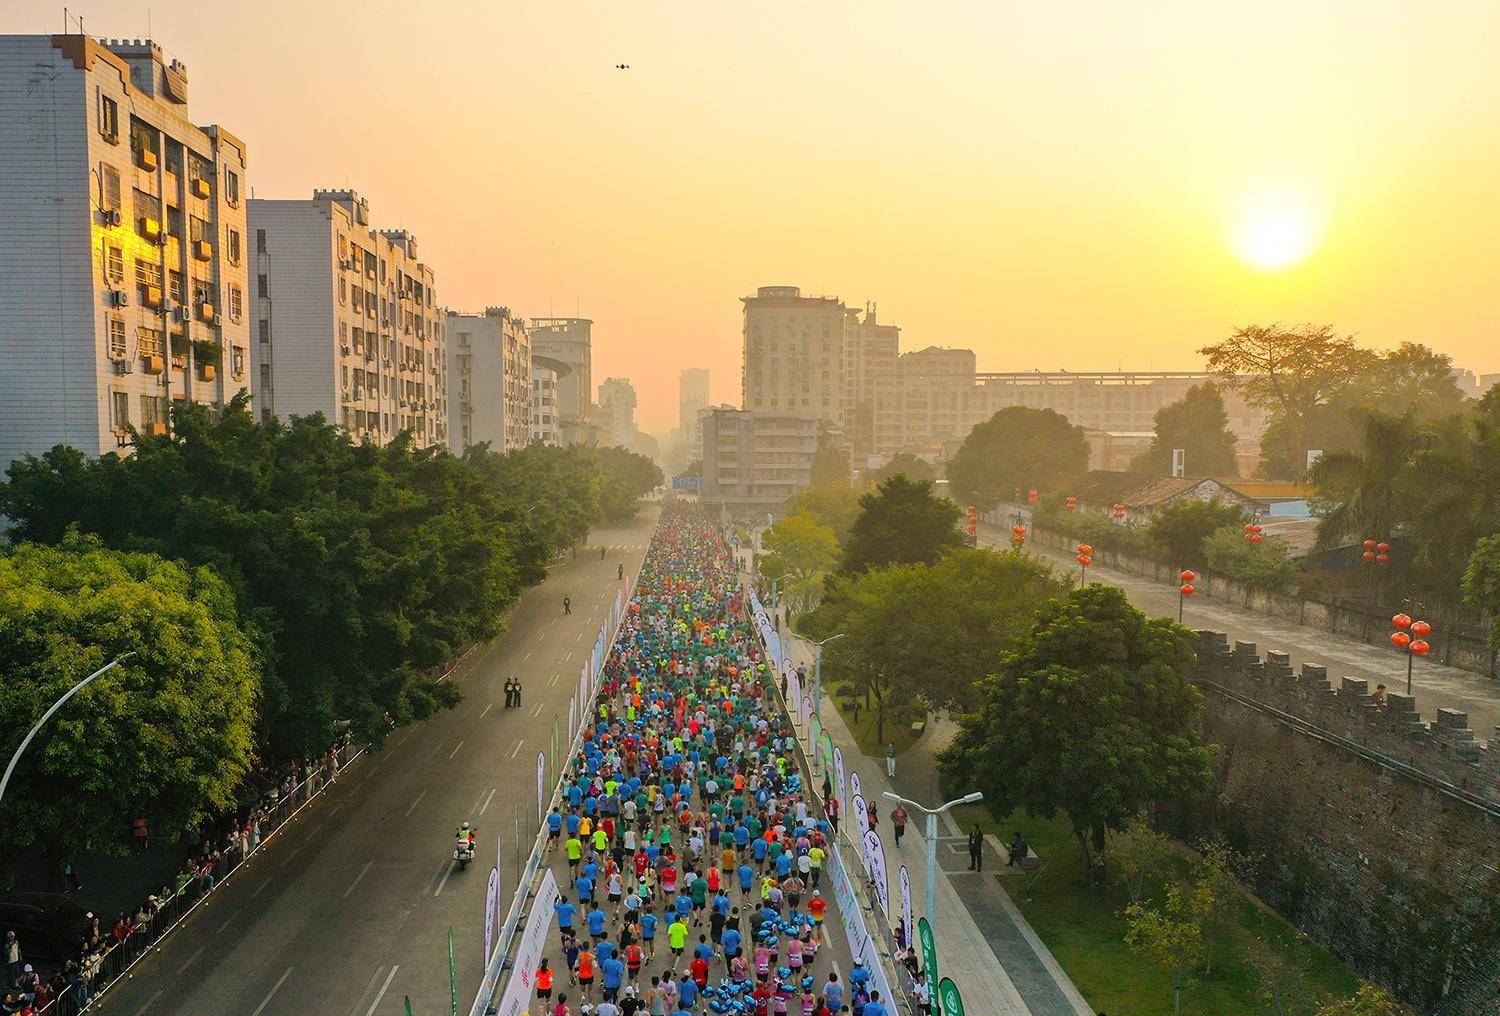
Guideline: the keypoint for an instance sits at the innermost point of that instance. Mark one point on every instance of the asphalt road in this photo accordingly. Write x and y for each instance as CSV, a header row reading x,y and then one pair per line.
x,y
348,910
1433,685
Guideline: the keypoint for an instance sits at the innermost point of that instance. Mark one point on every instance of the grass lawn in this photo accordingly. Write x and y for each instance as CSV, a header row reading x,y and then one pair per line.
x,y
1082,927
863,730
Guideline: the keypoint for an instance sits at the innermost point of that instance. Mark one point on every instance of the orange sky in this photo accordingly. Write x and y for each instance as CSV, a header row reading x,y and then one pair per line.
x,y
1050,184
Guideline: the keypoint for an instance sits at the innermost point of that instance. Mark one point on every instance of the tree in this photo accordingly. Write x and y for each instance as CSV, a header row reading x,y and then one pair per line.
x,y
1170,935
1264,565
625,477
1367,1001
1363,486
829,464
800,551
835,505
1093,714
906,464
1413,378
901,522
166,736
1282,986
1017,448
1140,856
1217,869
1481,583
1197,424
1178,530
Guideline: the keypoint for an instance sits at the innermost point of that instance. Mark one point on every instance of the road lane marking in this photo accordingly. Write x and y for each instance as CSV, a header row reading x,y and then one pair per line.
x,y
190,959
381,994
444,880
456,747
416,802
285,860
527,656
227,921
553,680
262,885
538,710
153,998
486,710
517,749
272,993
357,878
488,798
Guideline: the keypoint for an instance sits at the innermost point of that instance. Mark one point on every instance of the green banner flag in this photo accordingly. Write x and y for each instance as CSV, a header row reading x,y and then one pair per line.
x,y
929,961
452,973
952,1001
408,1005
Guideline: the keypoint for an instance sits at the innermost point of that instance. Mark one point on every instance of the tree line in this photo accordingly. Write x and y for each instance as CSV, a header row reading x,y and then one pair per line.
x,y
280,585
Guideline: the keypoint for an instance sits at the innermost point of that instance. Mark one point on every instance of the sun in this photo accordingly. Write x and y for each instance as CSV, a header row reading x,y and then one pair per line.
x,y
1275,227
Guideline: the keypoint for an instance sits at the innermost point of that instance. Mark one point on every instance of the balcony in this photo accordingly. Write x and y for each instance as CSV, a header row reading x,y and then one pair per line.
x,y
203,250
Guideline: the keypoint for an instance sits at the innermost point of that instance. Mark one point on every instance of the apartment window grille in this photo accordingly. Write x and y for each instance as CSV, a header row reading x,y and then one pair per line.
x,y
117,345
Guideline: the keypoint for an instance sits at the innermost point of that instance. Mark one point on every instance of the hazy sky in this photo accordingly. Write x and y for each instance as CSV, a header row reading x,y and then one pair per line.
x,y
1056,185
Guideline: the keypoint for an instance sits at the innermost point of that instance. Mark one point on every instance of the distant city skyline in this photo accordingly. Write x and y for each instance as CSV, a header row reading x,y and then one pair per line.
x,y
1058,191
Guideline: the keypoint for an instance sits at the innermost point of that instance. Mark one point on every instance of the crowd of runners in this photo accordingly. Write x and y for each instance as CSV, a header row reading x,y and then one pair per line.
x,y
694,853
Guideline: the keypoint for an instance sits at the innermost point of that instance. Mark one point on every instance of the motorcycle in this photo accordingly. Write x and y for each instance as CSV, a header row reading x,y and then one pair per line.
x,y
463,853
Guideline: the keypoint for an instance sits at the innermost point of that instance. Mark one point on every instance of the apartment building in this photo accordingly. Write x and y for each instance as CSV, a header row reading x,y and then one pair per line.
x,y
122,246
546,425
570,342
754,461
692,398
347,321
794,355
615,413
490,374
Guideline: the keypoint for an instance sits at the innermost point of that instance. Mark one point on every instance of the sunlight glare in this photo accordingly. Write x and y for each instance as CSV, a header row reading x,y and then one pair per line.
x,y
1276,227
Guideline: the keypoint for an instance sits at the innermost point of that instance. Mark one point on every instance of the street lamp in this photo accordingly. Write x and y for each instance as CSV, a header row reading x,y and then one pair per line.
x,y
1409,638
1185,590
112,664
932,819
817,695
1085,558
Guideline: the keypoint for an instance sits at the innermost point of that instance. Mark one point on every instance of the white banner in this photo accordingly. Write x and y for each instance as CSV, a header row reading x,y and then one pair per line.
x,y
860,942
572,718
521,986
541,779
854,790
905,878
875,860
838,769
859,821
491,903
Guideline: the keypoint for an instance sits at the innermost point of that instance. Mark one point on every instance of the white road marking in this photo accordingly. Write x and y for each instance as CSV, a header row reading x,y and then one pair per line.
x,y
488,798
272,993
455,750
517,749
287,859
381,994
538,710
190,959
527,656
444,880
227,921
357,878
153,998
416,802
486,710
553,681
262,885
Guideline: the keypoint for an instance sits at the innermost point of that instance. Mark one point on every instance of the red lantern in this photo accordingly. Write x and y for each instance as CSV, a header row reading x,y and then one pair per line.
x,y
1085,560
1420,628
1255,529
1186,589
1369,544
1382,559
1401,639
1084,548
1019,530
1369,555
1187,575
1032,495
1384,548
1249,526
1420,648
1401,620
1254,537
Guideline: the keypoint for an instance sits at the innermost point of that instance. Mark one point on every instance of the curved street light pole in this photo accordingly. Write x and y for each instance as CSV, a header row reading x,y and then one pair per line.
x,y
932,825
817,695
26,741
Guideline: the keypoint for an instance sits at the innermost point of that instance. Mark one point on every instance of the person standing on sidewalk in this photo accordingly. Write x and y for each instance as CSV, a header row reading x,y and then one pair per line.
x,y
976,848
890,760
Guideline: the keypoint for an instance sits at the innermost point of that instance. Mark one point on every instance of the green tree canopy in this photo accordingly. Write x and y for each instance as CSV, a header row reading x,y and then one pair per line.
x,y
1092,714
1197,424
166,736
1363,486
905,463
800,551
901,522
1178,529
829,464
835,505
1017,448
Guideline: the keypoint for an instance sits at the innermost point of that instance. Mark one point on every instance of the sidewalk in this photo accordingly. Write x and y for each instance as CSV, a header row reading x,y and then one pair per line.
x,y
984,943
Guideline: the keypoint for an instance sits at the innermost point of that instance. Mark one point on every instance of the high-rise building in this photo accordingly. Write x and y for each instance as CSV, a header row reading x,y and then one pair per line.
x,y
616,414
871,364
794,359
347,321
754,461
545,423
490,378
123,252
692,398
570,341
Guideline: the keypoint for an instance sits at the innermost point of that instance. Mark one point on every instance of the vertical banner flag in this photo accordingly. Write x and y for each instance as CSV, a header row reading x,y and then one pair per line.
x,y
952,1001
838,768
452,974
541,776
827,751
807,714
855,788
905,879
572,718
492,900
929,957
518,990
875,857
859,821
814,739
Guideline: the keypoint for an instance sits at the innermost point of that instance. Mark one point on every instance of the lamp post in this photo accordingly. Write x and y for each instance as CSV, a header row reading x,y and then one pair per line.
x,y
932,819
817,695
1185,590
1085,558
25,741
1409,638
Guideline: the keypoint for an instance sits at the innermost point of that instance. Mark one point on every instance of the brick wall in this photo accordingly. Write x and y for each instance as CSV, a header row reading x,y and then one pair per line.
x,y
1375,832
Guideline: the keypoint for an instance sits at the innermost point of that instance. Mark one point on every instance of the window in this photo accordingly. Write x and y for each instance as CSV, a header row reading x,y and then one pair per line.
x,y
237,360
265,330
114,265
148,342
260,241
203,292
200,229
120,402
147,275
343,291
109,119
109,178
153,409
174,221
236,302
263,286
233,245
117,347
177,287
232,188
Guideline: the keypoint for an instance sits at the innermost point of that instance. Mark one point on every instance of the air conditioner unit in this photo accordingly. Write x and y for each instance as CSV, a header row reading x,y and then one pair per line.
x,y
181,315
122,367
119,298
112,216
344,349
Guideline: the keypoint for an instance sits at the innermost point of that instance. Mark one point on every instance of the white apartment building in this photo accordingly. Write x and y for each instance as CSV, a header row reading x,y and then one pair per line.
x,y
122,246
570,342
490,374
794,356
692,398
347,321
616,413
754,461
546,424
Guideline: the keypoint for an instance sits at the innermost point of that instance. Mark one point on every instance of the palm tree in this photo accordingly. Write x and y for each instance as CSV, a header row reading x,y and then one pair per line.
x,y
1454,489
1367,486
